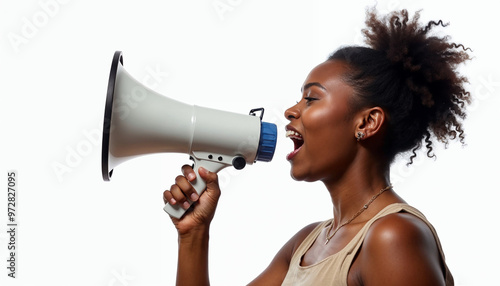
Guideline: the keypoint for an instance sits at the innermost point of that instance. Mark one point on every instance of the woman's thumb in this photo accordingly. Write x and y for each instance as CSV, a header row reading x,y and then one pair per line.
x,y
210,178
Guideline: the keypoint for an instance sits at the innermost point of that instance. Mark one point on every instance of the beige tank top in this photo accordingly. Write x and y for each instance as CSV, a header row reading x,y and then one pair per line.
x,y
333,270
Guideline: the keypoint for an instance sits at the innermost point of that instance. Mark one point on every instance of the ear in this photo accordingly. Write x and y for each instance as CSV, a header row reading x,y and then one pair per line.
x,y
369,122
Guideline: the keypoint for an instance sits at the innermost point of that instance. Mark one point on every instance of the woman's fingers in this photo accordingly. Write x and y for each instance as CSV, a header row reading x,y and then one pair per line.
x,y
188,172
168,198
182,192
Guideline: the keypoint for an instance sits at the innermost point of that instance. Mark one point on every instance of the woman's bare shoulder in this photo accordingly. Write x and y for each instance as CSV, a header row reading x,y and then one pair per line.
x,y
401,248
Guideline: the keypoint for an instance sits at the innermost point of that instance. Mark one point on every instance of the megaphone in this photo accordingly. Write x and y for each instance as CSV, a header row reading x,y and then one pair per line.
x,y
139,121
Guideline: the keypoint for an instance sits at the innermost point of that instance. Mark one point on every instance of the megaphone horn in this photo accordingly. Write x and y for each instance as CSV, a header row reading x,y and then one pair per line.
x,y
139,121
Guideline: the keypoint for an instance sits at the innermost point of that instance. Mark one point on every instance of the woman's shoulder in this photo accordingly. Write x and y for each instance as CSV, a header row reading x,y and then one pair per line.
x,y
399,227
404,244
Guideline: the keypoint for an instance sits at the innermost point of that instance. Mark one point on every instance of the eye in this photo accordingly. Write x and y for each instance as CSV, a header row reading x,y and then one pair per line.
x,y
309,99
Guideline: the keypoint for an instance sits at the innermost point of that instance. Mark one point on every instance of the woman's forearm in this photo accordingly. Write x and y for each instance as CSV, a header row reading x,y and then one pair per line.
x,y
192,264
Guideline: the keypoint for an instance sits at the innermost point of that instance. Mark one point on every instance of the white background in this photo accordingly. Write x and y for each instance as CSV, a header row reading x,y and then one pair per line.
x,y
75,229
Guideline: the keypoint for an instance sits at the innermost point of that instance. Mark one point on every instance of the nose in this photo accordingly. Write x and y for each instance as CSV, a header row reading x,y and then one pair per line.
x,y
292,113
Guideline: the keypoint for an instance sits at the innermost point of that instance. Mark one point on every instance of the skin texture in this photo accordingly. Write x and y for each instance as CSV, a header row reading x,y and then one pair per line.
x,y
399,249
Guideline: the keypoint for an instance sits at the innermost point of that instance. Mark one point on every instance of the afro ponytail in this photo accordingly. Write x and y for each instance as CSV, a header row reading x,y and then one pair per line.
x,y
413,76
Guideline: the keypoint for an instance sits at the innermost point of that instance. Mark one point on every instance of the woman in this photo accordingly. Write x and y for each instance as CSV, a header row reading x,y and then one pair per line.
x,y
359,109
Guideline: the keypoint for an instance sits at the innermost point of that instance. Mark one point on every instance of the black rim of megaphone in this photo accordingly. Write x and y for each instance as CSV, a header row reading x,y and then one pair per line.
x,y
106,173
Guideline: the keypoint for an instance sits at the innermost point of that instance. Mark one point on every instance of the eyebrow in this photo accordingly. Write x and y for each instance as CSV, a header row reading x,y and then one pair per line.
x,y
312,84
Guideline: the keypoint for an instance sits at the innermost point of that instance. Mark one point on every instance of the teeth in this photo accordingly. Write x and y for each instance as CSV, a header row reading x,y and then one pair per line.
x,y
290,133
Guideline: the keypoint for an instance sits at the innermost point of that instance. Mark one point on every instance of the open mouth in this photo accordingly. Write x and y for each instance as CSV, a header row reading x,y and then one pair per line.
x,y
298,141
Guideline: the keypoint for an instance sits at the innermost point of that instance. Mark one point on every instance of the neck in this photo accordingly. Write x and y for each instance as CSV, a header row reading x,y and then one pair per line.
x,y
355,188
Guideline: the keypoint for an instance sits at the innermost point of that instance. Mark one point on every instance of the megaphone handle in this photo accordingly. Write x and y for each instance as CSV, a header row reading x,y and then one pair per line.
x,y
198,184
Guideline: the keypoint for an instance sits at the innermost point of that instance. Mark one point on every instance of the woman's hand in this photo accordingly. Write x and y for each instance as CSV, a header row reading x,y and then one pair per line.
x,y
202,212
193,227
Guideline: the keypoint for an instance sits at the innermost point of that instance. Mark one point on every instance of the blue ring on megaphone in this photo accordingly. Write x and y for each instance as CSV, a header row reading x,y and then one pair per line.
x,y
267,142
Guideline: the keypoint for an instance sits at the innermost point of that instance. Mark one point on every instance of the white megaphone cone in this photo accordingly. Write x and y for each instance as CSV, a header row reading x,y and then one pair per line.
x,y
139,121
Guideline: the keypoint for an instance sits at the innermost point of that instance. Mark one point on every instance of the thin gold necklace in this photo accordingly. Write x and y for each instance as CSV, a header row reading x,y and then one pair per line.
x,y
328,237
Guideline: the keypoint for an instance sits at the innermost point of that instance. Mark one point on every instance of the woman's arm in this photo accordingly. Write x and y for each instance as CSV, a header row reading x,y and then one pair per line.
x,y
192,264
193,228
193,233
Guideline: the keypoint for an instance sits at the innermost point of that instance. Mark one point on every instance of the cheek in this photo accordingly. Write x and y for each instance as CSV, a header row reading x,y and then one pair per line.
x,y
324,124
329,141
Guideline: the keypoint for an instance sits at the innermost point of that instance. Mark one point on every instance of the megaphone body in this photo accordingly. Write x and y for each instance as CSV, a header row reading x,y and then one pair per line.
x,y
139,121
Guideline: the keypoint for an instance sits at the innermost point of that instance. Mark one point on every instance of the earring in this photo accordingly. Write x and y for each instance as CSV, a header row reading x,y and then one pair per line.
x,y
360,136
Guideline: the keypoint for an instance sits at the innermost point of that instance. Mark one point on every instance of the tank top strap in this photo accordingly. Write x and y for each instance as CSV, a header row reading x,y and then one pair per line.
x,y
356,242
400,207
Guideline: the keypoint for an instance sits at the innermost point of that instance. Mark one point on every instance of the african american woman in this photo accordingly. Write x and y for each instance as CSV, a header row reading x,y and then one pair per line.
x,y
359,109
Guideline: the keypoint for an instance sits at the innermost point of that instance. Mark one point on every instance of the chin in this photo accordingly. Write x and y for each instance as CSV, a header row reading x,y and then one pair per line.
x,y
294,176
297,176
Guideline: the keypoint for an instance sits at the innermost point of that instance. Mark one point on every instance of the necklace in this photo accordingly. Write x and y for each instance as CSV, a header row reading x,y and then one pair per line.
x,y
328,237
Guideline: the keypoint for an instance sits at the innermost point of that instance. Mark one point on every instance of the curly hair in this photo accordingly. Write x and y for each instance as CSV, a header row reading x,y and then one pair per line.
x,y
413,76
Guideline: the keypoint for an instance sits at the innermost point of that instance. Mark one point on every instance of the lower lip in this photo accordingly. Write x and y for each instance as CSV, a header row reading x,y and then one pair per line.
x,y
290,156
